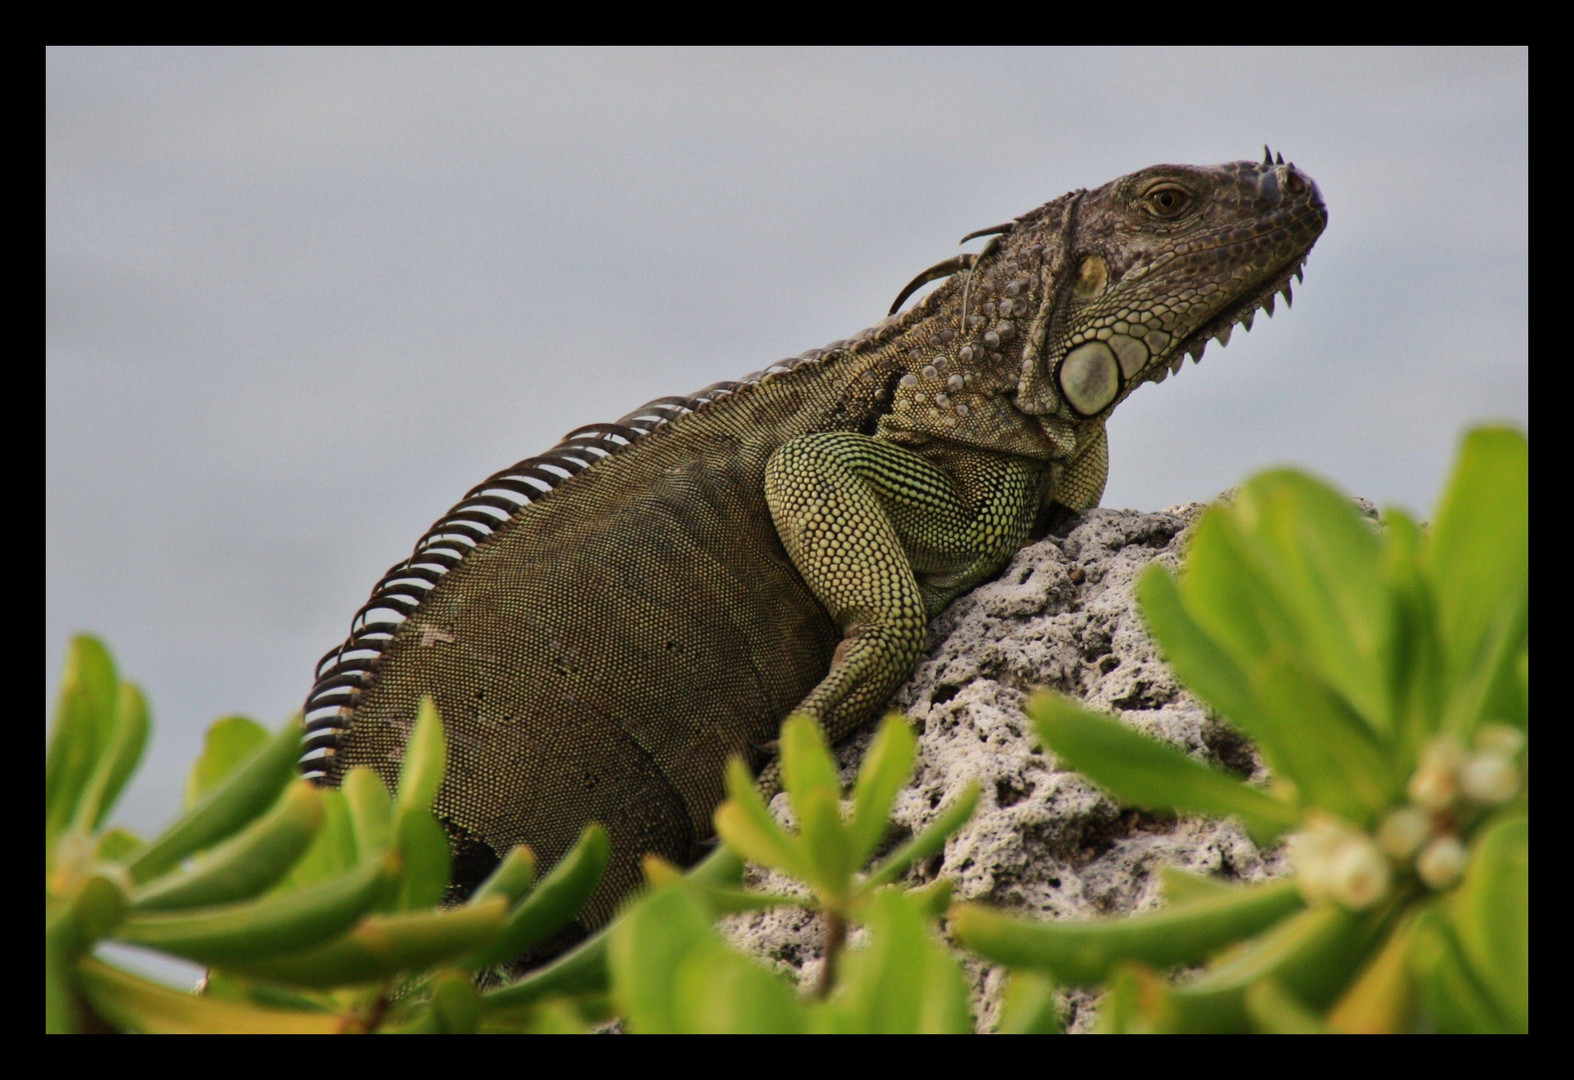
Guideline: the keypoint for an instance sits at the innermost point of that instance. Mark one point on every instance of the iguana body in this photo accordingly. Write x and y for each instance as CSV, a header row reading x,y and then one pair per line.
x,y
603,626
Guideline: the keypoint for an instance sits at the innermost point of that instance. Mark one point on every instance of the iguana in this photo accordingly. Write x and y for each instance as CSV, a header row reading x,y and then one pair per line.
x,y
604,625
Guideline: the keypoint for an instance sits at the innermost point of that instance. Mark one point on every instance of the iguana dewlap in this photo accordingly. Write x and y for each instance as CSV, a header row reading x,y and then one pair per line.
x,y
603,626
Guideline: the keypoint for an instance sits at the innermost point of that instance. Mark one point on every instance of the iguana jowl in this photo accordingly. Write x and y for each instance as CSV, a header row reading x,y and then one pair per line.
x,y
603,626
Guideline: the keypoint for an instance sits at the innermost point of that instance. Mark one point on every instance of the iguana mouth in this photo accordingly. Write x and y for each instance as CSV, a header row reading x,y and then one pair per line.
x,y
1302,226
1242,314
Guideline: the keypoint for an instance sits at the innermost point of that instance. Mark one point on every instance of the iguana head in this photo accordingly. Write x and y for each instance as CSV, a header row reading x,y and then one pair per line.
x,y
1160,261
1070,307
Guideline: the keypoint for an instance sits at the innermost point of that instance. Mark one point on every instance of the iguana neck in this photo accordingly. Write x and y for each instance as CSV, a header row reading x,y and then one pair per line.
x,y
966,346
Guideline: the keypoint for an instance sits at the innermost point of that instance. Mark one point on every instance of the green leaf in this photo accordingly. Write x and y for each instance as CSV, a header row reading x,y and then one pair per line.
x,y
903,981
1222,593
511,878
425,759
927,841
553,903
84,719
1323,563
558,1016
1084,951
1031,1006
933,900
645,949
580,971
371,812
1381,999
1478,559
1289,569
238,933
746,824
1207,668
1452,998
721,868
333,851
1180,885
74,923
1275,1012
383,946
1308,733
807,764
1488,691
222,984
248,863
1312,955
1140,771
456,1004
132,1003
583,969
1137,1002
421,839
1490,916
1321,746
717,991
230,741
885,769
825,843
1522,679
1307,729
126,739
427,862
61,1014
1416,681
114,845
245,793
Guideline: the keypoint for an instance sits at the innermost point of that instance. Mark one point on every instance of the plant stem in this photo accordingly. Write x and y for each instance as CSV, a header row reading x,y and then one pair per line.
x,y
835,938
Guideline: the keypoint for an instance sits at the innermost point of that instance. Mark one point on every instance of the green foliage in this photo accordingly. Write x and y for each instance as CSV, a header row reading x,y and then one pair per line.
x,y
315,910
1383,675
828,852
673,972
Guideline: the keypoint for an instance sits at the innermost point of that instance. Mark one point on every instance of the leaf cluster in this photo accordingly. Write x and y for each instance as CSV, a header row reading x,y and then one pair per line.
x,y
672,971
1383,674
314,910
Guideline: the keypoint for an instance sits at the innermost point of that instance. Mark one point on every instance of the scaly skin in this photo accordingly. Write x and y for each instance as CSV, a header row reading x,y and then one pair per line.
x,y
602,627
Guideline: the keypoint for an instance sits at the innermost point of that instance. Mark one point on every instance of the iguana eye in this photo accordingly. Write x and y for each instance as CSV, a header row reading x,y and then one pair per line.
x,y
1166,200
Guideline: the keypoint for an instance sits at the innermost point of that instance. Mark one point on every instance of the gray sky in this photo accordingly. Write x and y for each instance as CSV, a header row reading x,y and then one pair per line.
x,y
299,301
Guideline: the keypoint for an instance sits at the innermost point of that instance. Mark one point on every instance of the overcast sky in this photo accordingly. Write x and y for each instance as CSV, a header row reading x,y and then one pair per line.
x,y
299,301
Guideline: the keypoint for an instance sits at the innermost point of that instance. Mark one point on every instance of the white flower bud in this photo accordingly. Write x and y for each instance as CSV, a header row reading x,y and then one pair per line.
x,y
1443,752
1433,789
1489,779
1499,740
1403,832
1309,851
1435,783
1441,862
1358,875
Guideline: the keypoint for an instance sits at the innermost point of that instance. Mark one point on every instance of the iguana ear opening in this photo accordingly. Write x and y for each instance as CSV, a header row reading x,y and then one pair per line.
x,y
1092,277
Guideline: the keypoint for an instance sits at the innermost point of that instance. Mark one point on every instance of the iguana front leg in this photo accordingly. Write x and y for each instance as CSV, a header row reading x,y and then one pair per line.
x,y
885,538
